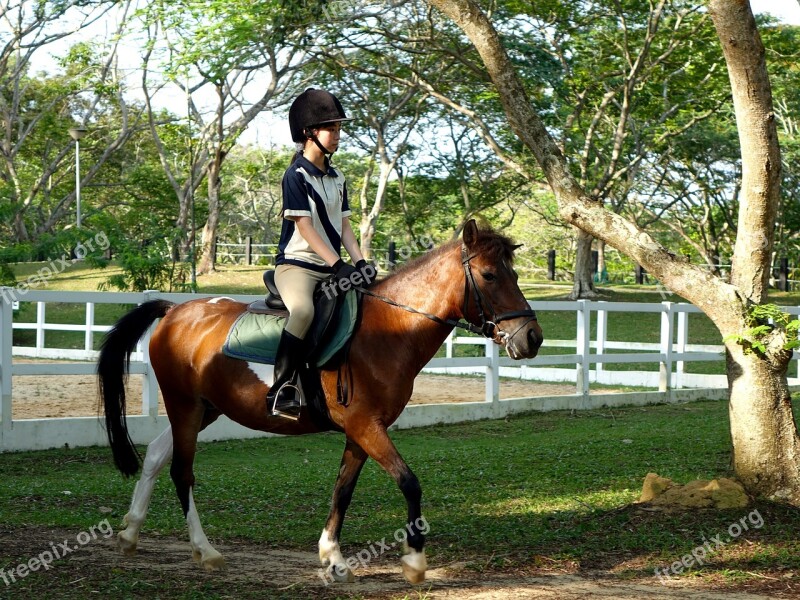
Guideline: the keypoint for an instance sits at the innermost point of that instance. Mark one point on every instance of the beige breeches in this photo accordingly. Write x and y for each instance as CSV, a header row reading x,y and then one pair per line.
x,y
296,286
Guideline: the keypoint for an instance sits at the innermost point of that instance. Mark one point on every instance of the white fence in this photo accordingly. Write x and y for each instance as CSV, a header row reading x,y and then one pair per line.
x,y
586,365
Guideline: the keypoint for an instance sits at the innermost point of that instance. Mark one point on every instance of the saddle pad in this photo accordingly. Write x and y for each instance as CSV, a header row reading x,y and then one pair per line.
x,y
255,337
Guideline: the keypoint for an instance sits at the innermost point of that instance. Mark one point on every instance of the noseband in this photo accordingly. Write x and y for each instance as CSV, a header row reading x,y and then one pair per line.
x,y
489,327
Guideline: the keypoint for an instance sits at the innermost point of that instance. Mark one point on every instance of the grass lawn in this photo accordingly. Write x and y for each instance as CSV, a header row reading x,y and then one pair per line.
x,y
550,489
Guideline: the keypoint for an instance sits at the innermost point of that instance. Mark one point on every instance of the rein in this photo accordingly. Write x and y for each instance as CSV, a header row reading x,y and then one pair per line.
x,y
488,327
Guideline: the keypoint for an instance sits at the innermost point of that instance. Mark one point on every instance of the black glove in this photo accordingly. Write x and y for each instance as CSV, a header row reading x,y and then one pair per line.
x,y
341,271
368,271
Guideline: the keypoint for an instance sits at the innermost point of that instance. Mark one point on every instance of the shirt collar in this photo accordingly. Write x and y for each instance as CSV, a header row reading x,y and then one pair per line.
x,y
313,169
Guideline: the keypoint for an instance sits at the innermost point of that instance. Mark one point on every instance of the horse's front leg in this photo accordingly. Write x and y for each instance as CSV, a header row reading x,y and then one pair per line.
x,y
330,555
376,442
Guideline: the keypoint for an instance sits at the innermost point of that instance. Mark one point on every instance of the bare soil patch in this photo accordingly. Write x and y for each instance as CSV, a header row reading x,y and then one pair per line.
x,y
48,396
164,565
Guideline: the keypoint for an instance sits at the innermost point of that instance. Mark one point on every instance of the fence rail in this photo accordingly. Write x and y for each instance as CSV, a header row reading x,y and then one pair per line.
x,y
588,364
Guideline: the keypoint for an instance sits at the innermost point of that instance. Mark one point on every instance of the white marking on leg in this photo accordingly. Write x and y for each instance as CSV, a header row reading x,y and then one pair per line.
x,y
220,299
158,454
265,373
331,557
414,565
202,550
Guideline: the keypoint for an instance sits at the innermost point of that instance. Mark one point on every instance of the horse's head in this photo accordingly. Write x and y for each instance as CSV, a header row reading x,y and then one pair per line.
x,y
493,299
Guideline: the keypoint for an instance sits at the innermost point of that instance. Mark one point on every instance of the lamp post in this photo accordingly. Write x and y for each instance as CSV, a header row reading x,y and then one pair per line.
x,y
76,133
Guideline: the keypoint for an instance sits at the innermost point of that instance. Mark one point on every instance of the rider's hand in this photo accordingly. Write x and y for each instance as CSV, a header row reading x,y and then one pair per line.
x,y
342,270
368,272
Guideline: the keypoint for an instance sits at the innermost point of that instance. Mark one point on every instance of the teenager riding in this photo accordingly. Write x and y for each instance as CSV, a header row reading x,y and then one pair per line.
x,y
315,227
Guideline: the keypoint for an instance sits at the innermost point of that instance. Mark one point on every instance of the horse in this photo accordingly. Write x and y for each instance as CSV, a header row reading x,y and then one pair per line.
x,y
405,319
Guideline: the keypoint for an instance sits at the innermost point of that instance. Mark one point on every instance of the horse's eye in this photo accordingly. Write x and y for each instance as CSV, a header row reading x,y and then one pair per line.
x,y
488,276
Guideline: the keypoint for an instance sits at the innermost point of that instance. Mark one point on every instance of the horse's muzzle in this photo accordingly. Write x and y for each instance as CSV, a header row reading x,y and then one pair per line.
x,y
525,342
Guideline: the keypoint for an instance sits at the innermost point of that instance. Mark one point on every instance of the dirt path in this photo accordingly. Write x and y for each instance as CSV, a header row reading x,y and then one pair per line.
x,y
44,396
294,574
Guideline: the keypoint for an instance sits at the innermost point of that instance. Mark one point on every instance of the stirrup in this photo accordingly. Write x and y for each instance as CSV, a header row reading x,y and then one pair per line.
x,y
298,394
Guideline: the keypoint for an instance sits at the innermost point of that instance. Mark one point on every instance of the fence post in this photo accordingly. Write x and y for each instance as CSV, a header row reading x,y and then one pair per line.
x,y
6,341
683,340
583,348
391,259
40,322
783,275
248,250
88,340
667,333
602,333
448,345
492,372
150,384
551,265
640,273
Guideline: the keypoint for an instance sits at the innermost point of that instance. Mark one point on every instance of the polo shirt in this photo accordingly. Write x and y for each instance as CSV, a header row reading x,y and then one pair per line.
x,y
307,191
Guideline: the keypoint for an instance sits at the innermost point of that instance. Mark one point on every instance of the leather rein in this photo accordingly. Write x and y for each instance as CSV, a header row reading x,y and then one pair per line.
x,y
488,327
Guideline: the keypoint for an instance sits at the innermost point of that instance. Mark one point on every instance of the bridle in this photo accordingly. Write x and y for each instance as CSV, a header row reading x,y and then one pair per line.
x,y
488,327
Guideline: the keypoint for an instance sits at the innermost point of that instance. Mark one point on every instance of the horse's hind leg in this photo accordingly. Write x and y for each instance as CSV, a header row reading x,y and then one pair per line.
x,y
159,451
185,437
330,555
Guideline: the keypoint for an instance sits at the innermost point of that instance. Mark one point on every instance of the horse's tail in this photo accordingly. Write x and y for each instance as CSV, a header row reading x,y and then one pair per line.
x,y
112,370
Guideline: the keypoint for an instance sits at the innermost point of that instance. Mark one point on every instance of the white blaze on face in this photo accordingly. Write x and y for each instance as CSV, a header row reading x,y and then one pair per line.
x,y
265,373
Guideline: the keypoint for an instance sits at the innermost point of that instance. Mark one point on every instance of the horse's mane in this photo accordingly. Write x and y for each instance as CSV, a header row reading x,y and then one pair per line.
x,y
497,246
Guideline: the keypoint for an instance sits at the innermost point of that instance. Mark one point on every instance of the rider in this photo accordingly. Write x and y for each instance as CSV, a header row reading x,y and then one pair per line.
x,y
315,226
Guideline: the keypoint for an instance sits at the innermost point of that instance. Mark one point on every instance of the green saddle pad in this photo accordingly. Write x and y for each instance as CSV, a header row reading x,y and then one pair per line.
x,y
255,337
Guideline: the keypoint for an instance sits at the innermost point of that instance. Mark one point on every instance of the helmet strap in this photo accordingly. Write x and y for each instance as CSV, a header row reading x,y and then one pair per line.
x,y
322,148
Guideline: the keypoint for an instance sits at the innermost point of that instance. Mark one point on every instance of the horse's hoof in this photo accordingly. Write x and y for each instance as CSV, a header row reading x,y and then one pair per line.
x,y
414,566
340,574
126,543
212,561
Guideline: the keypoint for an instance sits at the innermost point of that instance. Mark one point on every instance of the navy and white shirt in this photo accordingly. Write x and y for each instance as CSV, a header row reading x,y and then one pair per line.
x,y
307,190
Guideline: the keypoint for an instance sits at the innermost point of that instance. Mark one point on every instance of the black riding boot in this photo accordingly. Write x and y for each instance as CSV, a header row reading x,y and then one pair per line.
x,y
284,398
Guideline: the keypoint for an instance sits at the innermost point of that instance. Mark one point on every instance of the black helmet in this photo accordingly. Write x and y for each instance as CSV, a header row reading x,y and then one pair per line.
x,y
312,108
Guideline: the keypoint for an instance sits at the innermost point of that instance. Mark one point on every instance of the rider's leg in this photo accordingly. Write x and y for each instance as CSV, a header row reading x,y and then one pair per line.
x,y
296,286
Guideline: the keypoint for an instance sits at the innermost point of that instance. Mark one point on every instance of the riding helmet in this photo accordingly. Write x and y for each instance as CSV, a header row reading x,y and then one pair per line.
x,y
313,108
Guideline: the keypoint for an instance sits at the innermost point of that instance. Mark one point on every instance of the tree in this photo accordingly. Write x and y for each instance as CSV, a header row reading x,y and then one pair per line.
x,y
36,111
230,60
766,447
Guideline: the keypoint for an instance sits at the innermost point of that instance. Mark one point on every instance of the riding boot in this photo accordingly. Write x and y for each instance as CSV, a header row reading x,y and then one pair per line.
x,y
284,398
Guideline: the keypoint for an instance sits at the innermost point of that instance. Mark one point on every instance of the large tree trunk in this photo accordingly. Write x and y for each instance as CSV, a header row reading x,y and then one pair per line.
x,y
583,284
209,241
766,449
763,430
764,436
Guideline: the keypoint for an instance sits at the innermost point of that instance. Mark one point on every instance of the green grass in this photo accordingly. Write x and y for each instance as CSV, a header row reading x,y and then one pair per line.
x,y
553,487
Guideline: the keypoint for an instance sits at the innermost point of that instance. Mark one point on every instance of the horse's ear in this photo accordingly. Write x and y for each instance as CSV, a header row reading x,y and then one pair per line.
x,y
516,247
470,233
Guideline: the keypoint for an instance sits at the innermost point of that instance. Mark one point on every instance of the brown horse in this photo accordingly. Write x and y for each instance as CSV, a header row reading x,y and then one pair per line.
x,y
469,279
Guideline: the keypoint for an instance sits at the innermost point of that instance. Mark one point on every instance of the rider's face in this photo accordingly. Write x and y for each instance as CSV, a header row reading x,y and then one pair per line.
x,y
329,135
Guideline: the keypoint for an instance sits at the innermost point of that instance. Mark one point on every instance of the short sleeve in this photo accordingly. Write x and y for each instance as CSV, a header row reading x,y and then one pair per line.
x,y
345,204
295,197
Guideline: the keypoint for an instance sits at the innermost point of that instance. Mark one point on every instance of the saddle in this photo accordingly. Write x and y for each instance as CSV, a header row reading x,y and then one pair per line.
x,y
255,334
